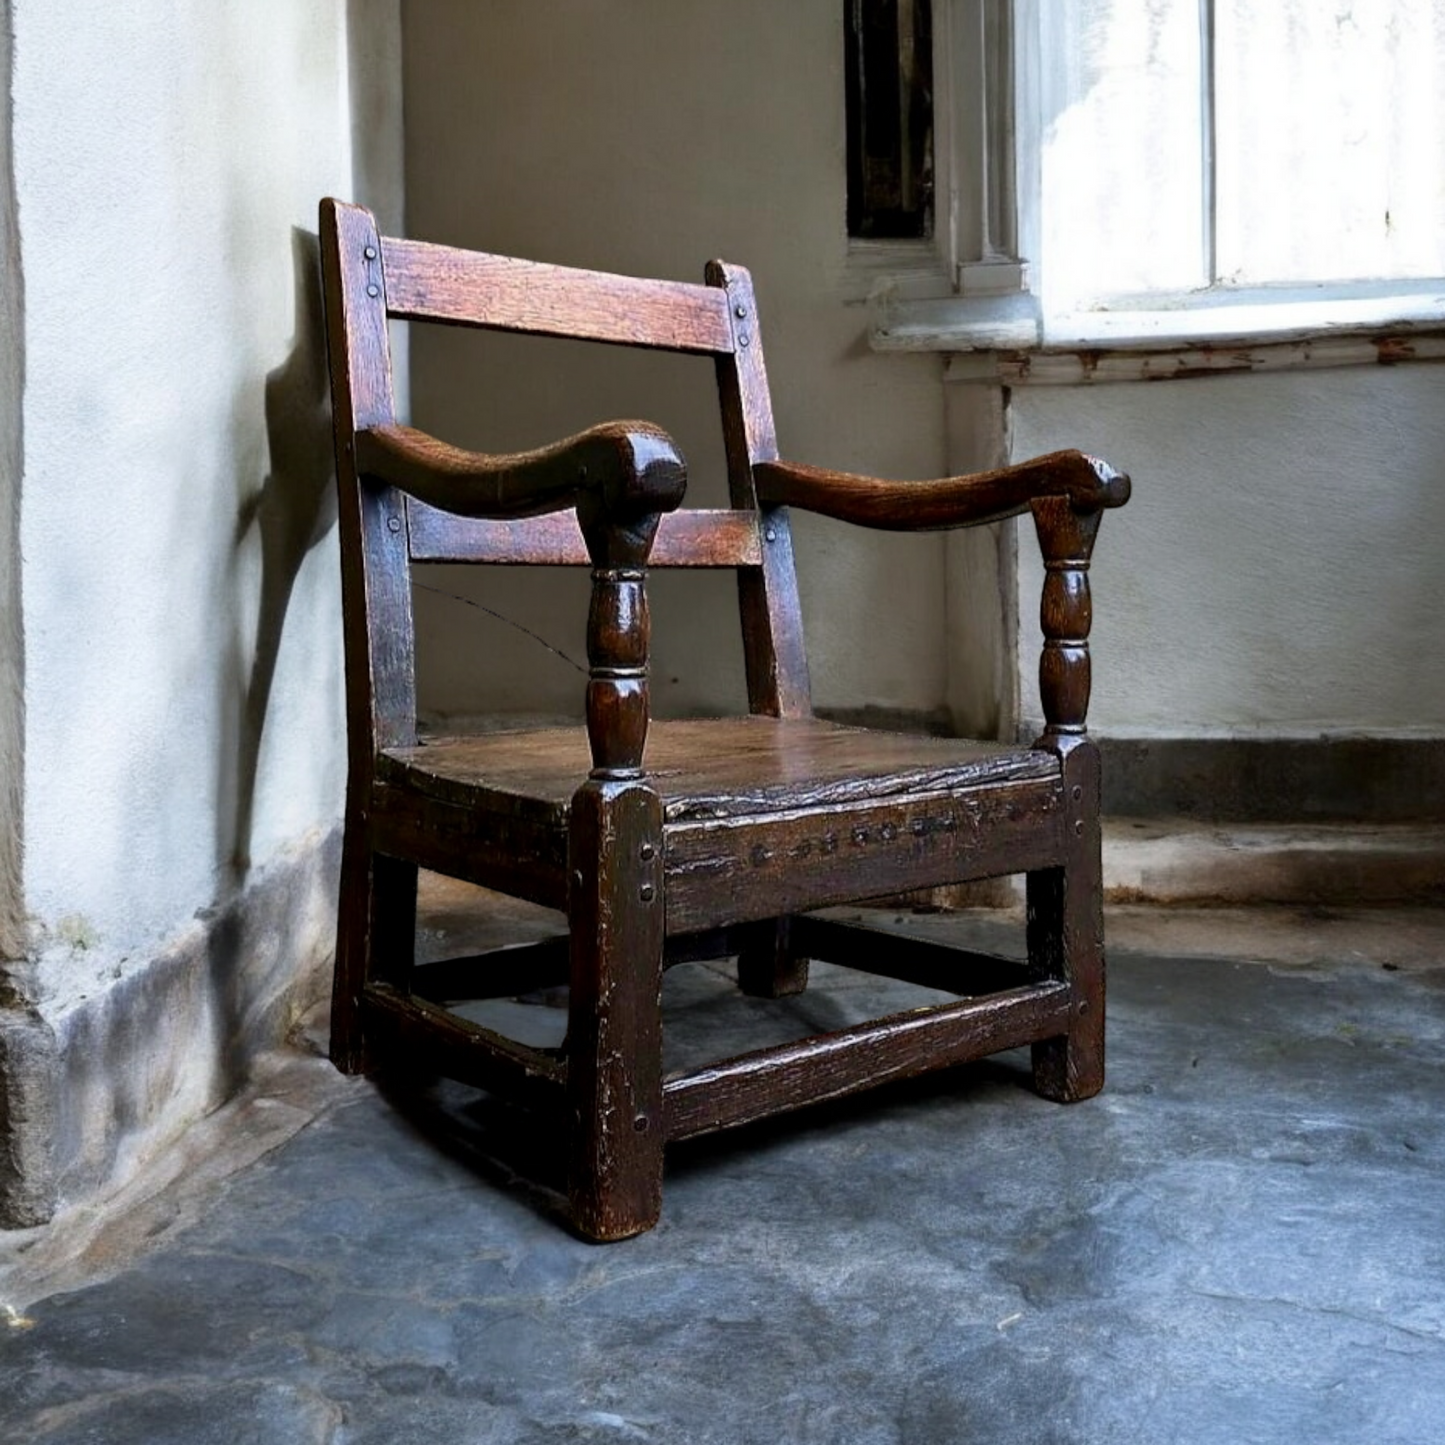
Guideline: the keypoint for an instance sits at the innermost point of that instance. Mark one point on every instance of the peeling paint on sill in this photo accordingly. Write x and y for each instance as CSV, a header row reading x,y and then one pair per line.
x,y
1084,366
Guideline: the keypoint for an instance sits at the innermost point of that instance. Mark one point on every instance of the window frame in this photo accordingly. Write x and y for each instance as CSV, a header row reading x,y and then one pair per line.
x,y
974,288
974,249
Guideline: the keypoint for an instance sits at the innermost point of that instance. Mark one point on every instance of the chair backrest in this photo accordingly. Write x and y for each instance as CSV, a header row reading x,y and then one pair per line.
x,y
370,278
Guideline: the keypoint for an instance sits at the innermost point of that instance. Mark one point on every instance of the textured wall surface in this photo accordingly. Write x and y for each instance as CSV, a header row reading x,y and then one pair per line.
x,y
180,588
1278,569
646,138
184,750
12,643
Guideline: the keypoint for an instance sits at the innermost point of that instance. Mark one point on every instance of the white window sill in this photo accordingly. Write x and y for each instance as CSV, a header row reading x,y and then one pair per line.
x,y
1003,339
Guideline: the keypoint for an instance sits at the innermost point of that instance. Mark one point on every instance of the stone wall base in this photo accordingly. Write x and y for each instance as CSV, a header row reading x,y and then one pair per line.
x,y
90,1090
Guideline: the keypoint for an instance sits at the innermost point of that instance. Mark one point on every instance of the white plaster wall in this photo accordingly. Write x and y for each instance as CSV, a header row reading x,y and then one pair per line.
x,y
1278,570
183,667
647,137
13,939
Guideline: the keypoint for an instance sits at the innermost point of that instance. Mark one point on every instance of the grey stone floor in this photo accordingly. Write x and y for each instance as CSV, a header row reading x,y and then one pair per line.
x,y
1242,1239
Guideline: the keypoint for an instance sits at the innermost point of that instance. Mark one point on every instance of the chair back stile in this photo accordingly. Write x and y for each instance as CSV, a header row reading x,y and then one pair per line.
x,y
376,573
777,666
376,278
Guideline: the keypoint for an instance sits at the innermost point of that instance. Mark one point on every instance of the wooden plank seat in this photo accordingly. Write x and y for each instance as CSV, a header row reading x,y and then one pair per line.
x,y
669,842
823,811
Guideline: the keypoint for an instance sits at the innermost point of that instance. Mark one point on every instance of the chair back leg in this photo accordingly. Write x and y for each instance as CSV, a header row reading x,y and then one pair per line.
x,y
772,968
375,938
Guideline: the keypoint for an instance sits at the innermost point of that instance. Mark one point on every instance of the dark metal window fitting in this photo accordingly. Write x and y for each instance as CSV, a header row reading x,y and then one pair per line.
x,y
889,80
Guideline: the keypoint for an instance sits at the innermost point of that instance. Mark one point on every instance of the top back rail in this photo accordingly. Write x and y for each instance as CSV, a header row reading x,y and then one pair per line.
x,y
427,282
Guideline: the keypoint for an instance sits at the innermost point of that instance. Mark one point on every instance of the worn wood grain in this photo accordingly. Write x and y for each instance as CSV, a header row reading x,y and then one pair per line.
x,y
376,595
675,841
425,1037
512,850
695,537
773,653
614,1021
810,857
910,960
633,465
376,618
829,1066
1066,932
1084,483
707,769
426,282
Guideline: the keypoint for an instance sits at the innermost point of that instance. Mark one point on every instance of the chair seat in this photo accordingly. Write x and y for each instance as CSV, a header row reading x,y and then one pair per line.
x,y
716,767
802,805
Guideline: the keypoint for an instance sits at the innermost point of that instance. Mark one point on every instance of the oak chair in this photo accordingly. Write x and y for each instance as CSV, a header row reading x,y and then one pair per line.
x,y
680,840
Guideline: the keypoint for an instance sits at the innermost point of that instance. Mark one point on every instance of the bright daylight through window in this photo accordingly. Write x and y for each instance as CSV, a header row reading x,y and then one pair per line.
x,y
1193,169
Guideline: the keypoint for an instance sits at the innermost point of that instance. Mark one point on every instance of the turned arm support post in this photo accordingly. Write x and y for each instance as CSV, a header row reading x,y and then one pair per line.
x,y
1067,529
1066,492
621,477
1066,611
619,523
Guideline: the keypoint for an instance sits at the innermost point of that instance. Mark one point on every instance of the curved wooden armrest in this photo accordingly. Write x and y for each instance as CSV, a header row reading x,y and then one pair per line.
x,y
1066,492
622,476
631,468
1088,483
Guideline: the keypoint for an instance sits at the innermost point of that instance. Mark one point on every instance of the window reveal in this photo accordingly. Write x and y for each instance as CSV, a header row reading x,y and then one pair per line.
x,y
889,84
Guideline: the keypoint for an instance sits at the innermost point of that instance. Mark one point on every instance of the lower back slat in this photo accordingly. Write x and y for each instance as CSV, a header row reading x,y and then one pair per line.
x,y
698,537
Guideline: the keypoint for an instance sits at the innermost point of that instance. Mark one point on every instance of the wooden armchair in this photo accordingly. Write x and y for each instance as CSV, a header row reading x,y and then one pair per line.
x,y
681,840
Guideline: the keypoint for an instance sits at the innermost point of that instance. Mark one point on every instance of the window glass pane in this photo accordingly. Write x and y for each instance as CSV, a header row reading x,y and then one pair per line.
x,y
1330,139
1122,168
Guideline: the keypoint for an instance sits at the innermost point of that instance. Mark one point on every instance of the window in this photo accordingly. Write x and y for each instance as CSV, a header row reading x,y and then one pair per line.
x,y
970,248
889,65
1187,170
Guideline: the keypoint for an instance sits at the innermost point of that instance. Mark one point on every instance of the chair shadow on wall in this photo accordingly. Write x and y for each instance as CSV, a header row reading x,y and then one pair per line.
x,y
293,510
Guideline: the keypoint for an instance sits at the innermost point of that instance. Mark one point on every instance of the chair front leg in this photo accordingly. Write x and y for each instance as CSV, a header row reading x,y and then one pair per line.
x,y
614,1047
1066,933
1065,903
